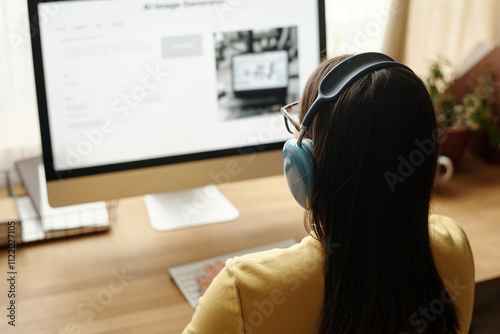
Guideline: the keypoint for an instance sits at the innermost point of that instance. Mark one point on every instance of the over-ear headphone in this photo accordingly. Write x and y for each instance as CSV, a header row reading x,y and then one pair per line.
x,y
298,154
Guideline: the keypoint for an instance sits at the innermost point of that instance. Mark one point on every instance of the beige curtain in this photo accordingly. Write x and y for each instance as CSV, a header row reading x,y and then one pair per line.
x,y
420,31
19,130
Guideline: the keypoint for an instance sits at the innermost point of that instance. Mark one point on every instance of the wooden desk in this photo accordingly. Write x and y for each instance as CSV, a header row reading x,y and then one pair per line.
x,y
71,285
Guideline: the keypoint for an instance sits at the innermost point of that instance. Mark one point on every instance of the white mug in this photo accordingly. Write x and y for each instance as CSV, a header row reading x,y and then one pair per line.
x,y
445,168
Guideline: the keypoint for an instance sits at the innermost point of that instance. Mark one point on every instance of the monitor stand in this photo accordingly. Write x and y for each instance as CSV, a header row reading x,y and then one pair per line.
x,y
187,208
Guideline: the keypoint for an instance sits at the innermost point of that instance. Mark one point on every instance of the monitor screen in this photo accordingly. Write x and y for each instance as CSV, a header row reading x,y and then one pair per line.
x,y
133,84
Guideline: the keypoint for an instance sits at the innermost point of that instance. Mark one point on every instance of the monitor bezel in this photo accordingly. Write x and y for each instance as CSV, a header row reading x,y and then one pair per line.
x,y
52,174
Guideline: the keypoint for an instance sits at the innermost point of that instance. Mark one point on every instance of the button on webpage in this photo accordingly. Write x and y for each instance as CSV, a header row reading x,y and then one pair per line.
x,y
181,46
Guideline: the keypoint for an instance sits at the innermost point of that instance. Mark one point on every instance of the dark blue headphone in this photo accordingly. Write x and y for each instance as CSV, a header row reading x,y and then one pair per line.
x,y
298,158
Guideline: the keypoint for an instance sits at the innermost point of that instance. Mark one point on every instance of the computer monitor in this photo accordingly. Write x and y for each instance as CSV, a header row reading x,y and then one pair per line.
x,y
158,96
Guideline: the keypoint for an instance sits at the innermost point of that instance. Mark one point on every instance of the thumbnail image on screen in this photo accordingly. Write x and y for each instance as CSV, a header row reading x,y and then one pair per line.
x,y
257,71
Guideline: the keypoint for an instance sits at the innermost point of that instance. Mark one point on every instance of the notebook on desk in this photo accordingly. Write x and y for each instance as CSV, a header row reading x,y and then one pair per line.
x,y
41,221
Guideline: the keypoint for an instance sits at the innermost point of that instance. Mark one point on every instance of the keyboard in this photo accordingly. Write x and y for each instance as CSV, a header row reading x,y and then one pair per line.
x,y
184,275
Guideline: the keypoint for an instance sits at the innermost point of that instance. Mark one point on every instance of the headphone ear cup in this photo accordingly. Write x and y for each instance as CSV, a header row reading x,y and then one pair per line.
x,y
298,165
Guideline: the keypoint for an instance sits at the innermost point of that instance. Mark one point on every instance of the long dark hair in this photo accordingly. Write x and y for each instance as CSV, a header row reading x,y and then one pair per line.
x,y
370,204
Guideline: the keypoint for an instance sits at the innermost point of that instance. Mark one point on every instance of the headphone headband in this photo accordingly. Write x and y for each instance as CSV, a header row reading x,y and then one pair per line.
x,y
342,76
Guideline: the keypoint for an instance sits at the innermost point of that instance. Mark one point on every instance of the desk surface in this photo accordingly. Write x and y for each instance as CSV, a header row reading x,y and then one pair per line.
x,y
117,282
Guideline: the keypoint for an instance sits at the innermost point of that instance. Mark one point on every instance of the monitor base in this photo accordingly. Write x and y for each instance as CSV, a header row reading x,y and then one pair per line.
x,y
188,208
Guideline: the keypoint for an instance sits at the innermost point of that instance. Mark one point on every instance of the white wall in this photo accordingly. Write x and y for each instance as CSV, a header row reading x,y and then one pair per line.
x,y
355,26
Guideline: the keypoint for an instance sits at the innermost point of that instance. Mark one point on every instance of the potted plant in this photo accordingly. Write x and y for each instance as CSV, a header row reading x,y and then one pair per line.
x,y
453,119
484,108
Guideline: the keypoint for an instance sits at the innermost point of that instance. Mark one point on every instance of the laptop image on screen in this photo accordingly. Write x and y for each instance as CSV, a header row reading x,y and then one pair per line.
x,y
261,75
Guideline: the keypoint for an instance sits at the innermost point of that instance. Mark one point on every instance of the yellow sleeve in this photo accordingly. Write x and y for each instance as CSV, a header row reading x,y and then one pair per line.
x,y
219,309
455,264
